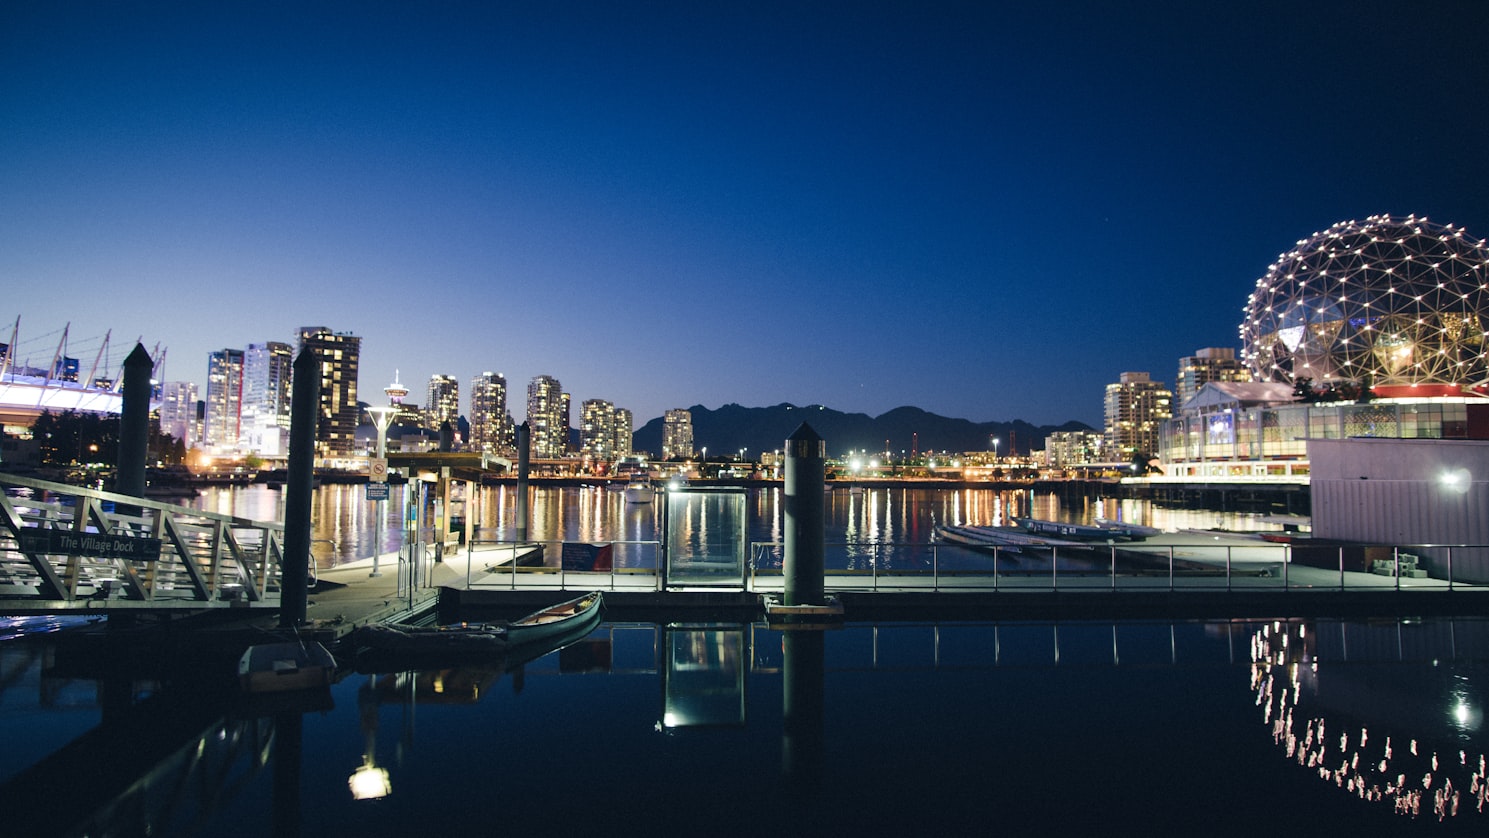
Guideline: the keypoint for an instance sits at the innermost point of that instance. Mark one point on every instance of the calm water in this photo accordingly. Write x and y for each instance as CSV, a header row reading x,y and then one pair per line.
x,y
1247,727
1234,728
884,523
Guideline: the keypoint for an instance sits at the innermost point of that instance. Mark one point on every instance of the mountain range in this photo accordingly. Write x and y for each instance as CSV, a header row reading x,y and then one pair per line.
x,y
732,427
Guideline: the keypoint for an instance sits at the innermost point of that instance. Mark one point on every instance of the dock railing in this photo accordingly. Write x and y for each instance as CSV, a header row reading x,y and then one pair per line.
x,y
67,548
626,566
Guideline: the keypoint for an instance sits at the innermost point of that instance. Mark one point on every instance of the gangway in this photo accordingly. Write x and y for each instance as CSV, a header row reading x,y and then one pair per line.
x,y
66,549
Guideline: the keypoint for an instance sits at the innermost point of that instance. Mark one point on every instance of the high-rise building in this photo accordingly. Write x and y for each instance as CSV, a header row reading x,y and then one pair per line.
x,y
443,403
623,431
677,434
1136,408
1216,363
266,398
547,417
224,400
178,410
597,429
490,423
1071,448
336,422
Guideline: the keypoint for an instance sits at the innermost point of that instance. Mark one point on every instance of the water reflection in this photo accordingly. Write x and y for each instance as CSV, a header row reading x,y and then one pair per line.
x,y
1406,744
885,528
874,728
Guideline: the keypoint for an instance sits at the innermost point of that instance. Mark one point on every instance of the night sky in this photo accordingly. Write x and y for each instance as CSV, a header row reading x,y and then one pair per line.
x,y
984,210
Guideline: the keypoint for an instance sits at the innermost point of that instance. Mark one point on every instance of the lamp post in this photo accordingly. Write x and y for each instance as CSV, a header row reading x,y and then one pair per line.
x,y
995,448
381,416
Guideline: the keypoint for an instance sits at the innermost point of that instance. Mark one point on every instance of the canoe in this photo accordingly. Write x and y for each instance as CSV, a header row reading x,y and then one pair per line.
x,y
379,648
557,619
281,667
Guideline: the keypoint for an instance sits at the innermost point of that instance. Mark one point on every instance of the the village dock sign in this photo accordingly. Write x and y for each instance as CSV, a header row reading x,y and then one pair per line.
x,y
97,545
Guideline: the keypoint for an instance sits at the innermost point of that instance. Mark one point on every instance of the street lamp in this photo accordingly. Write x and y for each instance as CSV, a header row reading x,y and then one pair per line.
x,y
995,448
381,416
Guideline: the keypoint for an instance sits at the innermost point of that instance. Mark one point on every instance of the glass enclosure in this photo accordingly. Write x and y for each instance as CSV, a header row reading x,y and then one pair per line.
x,y
705,537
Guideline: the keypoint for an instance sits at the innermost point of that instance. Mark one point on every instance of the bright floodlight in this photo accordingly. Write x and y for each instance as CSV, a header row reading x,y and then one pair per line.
x,y
1390,300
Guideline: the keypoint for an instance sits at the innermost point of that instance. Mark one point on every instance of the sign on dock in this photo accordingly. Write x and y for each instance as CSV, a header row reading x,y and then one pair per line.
x,y
377,491
97,545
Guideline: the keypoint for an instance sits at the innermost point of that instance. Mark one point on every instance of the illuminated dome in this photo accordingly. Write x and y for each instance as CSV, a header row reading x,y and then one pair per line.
x,y
1388,301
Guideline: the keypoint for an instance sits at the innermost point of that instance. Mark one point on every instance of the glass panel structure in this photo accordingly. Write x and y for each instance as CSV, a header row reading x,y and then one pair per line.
x,y
705,538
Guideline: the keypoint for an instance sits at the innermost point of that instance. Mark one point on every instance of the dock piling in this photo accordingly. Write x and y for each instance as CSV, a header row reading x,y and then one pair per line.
x,y
805,533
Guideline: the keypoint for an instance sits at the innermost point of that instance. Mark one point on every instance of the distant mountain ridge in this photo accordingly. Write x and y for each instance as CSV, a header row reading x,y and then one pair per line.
x,y
732,427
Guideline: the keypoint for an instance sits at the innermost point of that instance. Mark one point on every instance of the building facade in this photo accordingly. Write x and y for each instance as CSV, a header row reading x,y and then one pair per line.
x,y
336,421
624,428
597,430
443,402
224,400
1064,449
547,417
178,411
677,434
267,368
1216,363
491,429
1136,408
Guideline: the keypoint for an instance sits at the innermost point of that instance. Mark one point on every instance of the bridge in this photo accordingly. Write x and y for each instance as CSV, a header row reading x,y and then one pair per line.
x,y
65,549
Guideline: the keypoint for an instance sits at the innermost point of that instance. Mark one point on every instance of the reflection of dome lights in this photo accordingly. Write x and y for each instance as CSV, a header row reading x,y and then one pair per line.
x,y
1413,784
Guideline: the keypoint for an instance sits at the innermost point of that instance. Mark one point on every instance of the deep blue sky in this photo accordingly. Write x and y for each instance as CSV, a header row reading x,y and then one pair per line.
x,y
986,212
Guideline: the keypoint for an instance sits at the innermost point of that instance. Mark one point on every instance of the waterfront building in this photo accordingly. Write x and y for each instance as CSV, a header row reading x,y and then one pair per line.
x,y
336,423
1216,363
267,369
224,400
443,402
1066,449
597,430
491,428
624,428
547,417
1136,408
1372,329
178,410
677,434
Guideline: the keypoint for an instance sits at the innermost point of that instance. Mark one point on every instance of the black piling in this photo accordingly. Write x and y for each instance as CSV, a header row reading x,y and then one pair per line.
x,y
134,423
305,396
805,563
524,458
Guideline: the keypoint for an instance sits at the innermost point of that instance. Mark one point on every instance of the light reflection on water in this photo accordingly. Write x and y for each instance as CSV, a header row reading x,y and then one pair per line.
x,y
887,526
1217,728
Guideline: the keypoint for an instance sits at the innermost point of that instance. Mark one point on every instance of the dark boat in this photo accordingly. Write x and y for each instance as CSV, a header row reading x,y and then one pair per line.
x,y
378,648
1117,532
283,667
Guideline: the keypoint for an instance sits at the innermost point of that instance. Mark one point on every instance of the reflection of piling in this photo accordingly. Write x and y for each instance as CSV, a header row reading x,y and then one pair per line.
x,y
804,662
524,459
804,567
305,396
134,423
288,744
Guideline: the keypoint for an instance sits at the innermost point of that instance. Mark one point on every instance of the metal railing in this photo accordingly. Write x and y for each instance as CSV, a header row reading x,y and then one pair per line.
x,y
540,564
69,548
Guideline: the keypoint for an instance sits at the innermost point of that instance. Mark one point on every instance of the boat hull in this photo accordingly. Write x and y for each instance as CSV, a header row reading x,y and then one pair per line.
x,y
285,667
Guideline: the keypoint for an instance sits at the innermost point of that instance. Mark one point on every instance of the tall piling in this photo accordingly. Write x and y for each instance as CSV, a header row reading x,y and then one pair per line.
x,y
134,423
524,460
806,466
305,397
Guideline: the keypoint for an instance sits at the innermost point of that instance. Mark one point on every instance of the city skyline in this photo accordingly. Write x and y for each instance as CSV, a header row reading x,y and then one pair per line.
x,y
987,213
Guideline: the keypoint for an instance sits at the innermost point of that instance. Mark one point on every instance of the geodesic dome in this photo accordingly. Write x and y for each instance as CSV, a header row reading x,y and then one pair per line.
x,y
1385,301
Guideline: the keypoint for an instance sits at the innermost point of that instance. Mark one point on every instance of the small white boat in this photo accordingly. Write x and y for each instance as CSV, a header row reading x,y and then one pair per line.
x,y
282,667
640,491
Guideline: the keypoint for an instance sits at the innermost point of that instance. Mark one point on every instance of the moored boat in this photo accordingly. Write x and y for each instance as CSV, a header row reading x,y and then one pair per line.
x,y
1118,532
283,667
640,491
381,648
557,619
